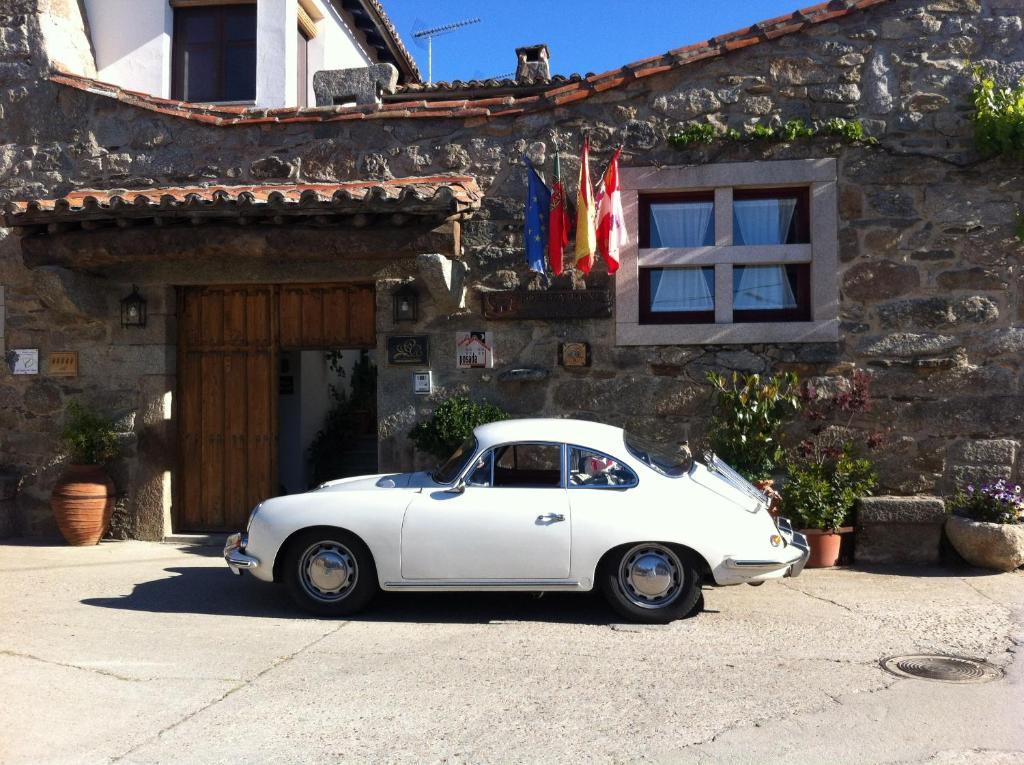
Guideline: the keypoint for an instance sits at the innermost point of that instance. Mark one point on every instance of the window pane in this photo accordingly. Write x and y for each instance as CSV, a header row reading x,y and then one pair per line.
x,y
480,475
537,465
240,73
198,25
763,288
765,221
240,23
200,73
682,224
587,468
682,289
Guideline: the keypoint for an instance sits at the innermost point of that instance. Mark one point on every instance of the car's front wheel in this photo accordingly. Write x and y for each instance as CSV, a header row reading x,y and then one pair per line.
x,y
651,582
329,572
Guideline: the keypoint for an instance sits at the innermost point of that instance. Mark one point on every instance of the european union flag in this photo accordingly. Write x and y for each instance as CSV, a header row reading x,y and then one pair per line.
x,y
538,210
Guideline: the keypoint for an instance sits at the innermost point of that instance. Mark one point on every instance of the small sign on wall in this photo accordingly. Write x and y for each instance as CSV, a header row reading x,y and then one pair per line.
x,y
63,364
408,349
423,383
574,355
474,350
24,361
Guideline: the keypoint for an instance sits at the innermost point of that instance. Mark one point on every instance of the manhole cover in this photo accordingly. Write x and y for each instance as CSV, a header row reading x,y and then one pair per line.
x,y
946,669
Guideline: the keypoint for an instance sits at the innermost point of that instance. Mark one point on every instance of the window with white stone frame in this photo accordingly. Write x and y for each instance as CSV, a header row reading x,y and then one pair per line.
x,y
741,252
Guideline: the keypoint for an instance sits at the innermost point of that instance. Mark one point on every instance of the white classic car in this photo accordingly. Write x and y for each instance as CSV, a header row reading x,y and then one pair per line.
x,y
526,505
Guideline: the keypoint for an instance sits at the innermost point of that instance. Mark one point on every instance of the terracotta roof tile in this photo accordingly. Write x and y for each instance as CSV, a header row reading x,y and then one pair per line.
x,y
412,100
447,194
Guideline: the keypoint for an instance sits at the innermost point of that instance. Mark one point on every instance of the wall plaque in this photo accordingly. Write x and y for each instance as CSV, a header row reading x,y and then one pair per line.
x,y
23,361
548,304
474,350
63,364
408,349
574,355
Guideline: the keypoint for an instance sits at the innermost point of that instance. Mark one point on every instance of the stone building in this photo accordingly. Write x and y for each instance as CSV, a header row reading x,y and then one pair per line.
x,y
262,238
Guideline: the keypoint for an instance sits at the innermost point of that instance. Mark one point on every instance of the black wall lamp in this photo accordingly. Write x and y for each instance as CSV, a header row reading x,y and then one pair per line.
x,y
406,303
133,309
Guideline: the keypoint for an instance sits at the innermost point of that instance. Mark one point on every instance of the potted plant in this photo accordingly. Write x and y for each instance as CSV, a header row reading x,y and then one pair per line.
x,y
749,415
83,498
987,525
823,482
452,423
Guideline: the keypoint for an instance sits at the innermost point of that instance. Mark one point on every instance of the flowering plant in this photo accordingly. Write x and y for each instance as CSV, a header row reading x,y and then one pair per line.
x,y
998,502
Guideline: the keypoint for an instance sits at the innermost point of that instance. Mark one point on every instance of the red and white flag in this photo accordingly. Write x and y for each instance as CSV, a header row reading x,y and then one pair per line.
x,y
611,223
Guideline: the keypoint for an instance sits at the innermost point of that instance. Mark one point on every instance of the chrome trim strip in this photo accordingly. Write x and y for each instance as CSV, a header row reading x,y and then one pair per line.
x,y
484,583
757,563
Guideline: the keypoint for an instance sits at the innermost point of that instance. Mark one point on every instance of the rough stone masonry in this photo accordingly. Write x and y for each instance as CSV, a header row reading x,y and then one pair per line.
x,y
931,304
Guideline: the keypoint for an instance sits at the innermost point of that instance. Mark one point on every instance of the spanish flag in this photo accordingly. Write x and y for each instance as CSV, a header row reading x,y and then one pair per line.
x,y
586,215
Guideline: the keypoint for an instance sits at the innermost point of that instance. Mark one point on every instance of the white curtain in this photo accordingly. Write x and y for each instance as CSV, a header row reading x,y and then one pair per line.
x,y
682,224
761,288
762,221
683,289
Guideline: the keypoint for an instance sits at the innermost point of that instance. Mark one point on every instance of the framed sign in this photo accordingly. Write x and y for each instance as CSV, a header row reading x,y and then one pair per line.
x,y
63,364
594,303
474,350
24,361
408,349
574,355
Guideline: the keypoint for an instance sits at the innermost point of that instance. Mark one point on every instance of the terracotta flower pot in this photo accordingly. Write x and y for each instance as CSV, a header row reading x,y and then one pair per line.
x,y
82,503
824,546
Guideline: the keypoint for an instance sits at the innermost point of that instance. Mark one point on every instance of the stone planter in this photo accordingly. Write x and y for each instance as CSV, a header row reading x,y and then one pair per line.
x,y
998,546
82,503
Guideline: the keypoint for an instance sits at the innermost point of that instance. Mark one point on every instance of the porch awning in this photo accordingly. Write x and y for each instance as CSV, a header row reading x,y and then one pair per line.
x,y
358,203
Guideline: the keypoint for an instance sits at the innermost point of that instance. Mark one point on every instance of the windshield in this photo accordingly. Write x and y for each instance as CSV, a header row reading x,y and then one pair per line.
x,y
667,459
449,470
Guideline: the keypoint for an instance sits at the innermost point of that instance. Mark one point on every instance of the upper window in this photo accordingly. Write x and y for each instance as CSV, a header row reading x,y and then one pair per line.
x,y
595,470
742,252
214,56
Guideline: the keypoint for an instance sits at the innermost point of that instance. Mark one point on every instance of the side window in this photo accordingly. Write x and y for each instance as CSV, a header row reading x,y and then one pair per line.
x,y
593,469
528,465
480,475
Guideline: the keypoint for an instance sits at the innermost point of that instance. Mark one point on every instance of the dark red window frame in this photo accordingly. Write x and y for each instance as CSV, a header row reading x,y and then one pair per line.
x,y
218,15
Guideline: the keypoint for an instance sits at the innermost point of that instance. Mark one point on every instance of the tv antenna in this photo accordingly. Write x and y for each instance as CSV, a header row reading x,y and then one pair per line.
x,y
430,34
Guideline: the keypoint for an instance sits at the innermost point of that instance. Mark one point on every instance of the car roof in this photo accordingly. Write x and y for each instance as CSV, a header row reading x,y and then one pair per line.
x,y
595,435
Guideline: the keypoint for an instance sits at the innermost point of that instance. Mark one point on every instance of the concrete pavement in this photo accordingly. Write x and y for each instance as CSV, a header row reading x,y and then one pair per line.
x,y
132,652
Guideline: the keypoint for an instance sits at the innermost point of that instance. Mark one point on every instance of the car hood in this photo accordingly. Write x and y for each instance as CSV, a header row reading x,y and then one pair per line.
x,y
381,481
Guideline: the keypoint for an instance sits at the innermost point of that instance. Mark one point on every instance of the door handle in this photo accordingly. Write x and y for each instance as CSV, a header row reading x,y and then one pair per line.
x,y
550,518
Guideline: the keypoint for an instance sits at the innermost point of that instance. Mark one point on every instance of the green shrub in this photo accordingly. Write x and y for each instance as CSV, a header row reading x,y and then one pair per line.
x,y
1018,231
822,486
452,423
795,128
761,132
693,133
851,131
89,437
998,116
749,415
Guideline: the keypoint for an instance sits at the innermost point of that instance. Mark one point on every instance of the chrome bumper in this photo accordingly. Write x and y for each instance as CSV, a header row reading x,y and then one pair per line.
x,y
797,540
234,554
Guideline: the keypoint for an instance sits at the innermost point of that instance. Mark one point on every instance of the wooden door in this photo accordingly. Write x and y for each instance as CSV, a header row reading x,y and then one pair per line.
x,y
227,405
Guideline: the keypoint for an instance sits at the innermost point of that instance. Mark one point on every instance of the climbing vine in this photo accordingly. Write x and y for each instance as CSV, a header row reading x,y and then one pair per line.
x,y
998,116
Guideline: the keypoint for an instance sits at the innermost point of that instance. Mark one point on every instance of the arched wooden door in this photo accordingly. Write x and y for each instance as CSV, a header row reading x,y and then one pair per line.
x,y
228,340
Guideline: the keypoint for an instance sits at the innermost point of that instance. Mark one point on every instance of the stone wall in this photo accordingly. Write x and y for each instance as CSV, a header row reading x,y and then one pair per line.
x,y
931,272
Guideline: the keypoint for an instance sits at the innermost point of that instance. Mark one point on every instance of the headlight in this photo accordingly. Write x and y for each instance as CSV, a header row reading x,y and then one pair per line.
x,y
252,515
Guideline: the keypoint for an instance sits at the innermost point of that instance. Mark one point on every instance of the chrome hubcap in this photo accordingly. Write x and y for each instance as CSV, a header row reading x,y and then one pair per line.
x,y
650,576
328,571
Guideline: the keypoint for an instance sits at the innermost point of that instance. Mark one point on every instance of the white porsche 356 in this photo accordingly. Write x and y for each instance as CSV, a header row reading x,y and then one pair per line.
x,y
527,505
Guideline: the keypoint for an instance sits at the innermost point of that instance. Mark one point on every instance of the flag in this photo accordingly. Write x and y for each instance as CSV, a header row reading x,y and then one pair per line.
x,y
558,225
586,234
611,223
538,207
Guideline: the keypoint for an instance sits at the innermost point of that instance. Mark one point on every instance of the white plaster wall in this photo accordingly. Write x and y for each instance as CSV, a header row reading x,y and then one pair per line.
x,y
335,46
132,41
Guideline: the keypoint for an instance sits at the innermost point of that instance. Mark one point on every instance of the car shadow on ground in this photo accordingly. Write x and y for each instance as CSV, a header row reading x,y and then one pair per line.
x,y
214,590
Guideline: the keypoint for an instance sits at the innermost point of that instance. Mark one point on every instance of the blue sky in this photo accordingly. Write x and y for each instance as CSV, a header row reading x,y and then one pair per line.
x,y
591,36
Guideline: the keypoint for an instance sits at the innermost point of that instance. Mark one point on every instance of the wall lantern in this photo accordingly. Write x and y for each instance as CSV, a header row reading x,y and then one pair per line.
x,y
133,309
406,303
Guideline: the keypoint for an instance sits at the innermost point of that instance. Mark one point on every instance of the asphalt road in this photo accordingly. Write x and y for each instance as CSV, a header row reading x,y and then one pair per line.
x,y
144,653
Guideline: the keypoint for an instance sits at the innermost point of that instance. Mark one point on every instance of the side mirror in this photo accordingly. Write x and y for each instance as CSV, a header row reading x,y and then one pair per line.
x,y
457,488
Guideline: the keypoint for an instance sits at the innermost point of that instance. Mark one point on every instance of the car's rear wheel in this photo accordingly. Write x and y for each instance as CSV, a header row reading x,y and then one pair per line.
x,y
651,582
329,572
